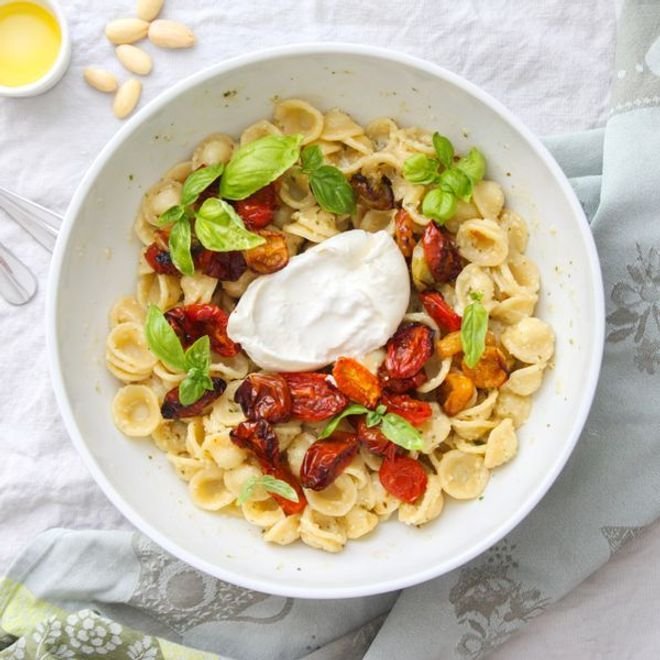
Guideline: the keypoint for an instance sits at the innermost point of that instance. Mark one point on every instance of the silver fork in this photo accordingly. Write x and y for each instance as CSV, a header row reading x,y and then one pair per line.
x,y
17,282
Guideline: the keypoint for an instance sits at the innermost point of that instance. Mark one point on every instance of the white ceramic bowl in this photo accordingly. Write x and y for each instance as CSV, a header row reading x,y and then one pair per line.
x,y
95,262
61,64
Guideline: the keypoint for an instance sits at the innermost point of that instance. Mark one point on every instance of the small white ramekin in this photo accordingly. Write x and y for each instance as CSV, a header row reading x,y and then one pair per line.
x,y
61,64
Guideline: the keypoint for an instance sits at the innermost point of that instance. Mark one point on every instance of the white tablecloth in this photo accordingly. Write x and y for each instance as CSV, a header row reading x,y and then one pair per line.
x,y
549,61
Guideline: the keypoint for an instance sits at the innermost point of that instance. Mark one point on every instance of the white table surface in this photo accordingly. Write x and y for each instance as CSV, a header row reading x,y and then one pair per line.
x,y
549,61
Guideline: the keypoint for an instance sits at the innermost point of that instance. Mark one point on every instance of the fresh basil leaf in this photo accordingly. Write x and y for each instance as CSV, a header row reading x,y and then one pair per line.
x,y
220,228
474,165
270,484
374,418
258,163
439,205
198,356
198,181
173,214
191,389
420,169
381,409
331,426
311,158
179,245
332,191
473,331
162,339
401,432
444,149
457,182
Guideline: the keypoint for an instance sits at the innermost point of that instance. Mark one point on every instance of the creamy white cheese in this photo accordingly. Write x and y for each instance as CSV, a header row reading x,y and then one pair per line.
x,y
343,297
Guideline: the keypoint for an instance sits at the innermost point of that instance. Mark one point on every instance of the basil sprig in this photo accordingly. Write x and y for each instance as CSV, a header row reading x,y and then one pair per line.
x,y
473,330
270,484
394,427
179,216
455,181
258,163
221,229
329,186
165,345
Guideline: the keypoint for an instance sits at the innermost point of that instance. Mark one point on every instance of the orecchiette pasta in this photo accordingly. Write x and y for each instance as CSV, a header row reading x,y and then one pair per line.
x,y
454,451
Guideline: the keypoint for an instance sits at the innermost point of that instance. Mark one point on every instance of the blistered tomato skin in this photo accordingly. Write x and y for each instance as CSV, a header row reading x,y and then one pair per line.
x,y
403,477
172,408
356,382
373,193
441,254
226,266
403,233
313,397
258,437
190,322
400,385
408,350
289,507
326,459
413,410
258,209
264,396
270,257
440,311
374,439
160,260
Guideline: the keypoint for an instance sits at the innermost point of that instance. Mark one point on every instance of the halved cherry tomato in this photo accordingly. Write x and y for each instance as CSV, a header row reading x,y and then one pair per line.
x,y
374,439
270,257
441,254
440,311
455,393
326,459
403,232
356,382
227,266
264,396
400,385
491,371
412,410
160,260
409,349
313,397
372,192
258,209
191,322
172,408
403,477
289,507
258,437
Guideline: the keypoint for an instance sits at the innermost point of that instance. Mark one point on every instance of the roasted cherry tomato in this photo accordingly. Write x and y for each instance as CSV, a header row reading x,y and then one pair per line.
x,y
259,438
326,459
403,477
372,192
441,254
160,260
491,371
191,322
356,382
172,408
440,311
227,266
313,397
400,385
258,209
408,350
264,396
455,393
413,410
403,232
374,439
288,506
272,256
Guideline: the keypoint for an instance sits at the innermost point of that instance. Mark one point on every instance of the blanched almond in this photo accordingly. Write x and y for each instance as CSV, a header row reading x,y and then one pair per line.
x,y
101,79
170,34
126,98
126,30
134,59
147,10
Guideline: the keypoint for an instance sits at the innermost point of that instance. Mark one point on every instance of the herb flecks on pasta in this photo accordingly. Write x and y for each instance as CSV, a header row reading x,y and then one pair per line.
x,y
324,457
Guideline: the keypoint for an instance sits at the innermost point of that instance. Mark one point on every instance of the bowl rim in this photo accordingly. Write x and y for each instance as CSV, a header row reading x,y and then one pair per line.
x,y
597,313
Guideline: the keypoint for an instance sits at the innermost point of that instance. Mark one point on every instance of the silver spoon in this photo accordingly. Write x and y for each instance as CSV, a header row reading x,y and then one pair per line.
x,y
17,283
